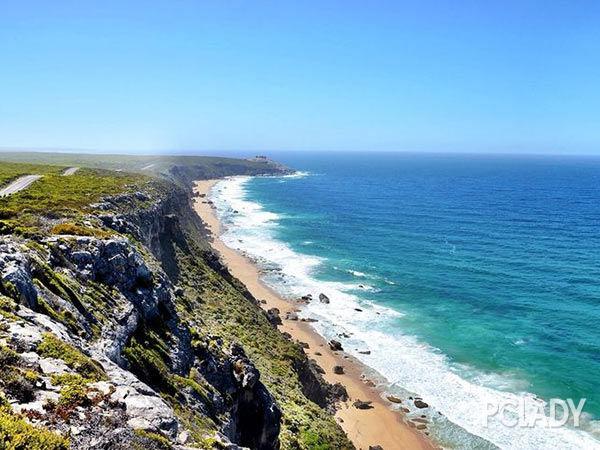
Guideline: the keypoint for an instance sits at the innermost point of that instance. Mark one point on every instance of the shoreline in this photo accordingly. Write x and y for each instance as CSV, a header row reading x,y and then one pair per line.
x,y
379,425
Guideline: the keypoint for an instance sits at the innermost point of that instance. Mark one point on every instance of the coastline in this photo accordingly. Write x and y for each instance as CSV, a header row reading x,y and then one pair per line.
x,y
379,425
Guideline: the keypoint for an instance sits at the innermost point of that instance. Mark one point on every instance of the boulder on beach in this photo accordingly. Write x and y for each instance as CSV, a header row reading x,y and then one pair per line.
x,y
335,345
394,399
290,315
375,447
360,404
338,370
323,298
338,392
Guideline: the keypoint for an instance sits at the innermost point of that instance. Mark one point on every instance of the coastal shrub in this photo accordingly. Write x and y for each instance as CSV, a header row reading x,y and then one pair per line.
x,y
146,361
17,434
53,347
78,230
158,441
73,395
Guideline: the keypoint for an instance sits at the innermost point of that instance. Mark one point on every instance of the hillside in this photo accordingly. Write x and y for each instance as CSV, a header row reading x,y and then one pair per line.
x,y
120,328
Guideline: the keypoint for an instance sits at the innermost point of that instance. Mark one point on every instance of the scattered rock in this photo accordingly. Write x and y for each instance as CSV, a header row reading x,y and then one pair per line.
x,y
359,404
335,345
323,298
338,370
375,447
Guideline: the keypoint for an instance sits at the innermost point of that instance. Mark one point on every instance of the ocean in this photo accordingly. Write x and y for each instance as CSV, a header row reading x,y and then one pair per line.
x,y
477,277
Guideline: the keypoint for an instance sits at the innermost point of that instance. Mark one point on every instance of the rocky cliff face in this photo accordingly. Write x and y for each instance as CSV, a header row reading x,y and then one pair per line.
x,y
137,337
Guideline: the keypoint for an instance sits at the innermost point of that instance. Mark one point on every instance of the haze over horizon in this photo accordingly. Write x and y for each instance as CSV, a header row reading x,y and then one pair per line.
x,y
516,77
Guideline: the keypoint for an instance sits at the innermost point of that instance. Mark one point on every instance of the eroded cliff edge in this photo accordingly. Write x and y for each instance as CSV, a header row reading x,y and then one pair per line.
x,y
121,329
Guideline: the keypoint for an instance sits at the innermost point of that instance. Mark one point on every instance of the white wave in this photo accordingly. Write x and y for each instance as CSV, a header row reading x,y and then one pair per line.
x,y
297,174
460,393
357,273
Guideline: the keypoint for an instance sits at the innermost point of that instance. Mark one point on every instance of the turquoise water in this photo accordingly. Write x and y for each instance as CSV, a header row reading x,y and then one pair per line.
x,y
478,276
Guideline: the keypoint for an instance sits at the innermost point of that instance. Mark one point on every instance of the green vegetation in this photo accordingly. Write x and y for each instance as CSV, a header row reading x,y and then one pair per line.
x,y
17,434
159,441
52,347
79,230
15,380
54,198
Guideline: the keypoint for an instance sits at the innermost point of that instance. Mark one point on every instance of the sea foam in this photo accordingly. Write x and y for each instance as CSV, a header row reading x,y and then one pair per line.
x,y
460,394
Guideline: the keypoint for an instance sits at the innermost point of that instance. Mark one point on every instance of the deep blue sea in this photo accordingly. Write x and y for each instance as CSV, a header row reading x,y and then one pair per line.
x,y
478,277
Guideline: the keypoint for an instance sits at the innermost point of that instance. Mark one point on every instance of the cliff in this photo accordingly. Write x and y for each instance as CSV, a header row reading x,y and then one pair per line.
x,y
120,329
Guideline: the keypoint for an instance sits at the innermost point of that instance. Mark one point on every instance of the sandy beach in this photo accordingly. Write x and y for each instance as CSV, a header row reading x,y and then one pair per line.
x,y
379,425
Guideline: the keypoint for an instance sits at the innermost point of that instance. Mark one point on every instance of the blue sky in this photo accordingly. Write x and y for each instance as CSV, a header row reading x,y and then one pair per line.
x,y
510,76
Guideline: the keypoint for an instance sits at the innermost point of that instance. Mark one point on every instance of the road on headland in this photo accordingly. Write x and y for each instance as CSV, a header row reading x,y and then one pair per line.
x,y
70,171
19,184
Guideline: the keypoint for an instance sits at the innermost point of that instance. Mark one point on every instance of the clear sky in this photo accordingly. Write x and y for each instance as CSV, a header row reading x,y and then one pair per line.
x,y
420,75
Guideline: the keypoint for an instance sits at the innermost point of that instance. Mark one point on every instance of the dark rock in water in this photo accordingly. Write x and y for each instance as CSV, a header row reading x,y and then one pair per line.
x,y
358,309
273,316
361,286
365,352
235,211
375,447
335,345
421,404
344,335
359,404
394,399
338,370
323,298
